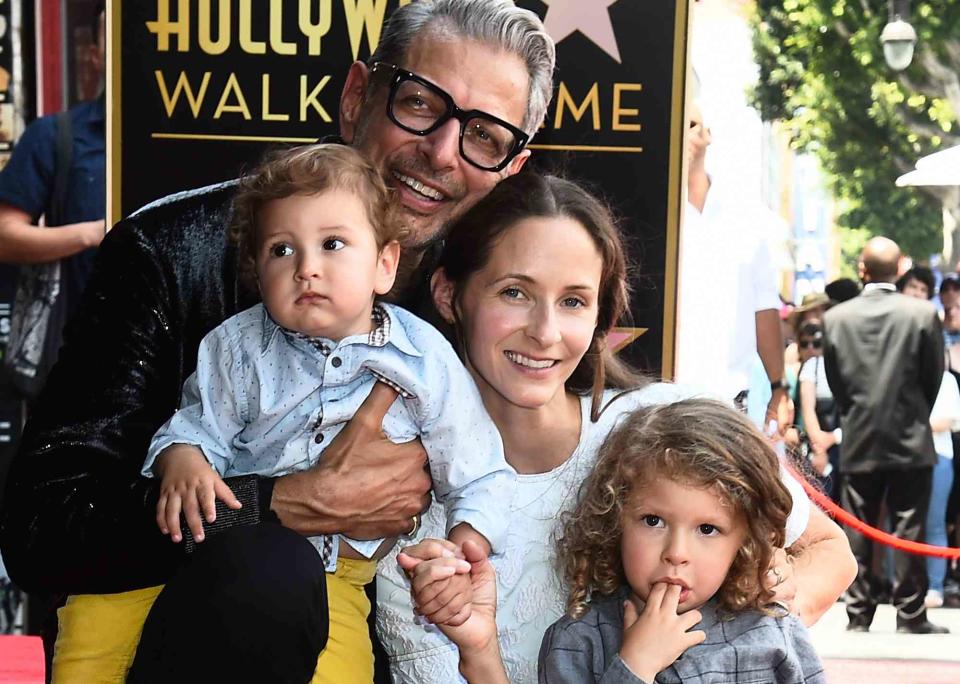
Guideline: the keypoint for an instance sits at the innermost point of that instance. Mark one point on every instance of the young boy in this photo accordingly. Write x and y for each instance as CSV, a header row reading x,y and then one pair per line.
x,y
276,383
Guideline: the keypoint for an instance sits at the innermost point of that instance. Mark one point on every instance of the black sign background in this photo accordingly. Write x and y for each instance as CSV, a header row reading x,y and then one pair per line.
x,y
154,153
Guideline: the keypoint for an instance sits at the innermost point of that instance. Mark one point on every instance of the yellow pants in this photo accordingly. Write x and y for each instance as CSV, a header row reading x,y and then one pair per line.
x,y
348,656
98,633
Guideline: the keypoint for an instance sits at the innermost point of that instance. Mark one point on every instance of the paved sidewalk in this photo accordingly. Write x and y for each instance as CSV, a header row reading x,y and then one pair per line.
x,y
881,656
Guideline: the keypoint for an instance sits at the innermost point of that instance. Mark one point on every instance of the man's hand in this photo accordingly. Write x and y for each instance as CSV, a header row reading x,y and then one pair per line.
x,y
780,409
653,640
364,486
191,485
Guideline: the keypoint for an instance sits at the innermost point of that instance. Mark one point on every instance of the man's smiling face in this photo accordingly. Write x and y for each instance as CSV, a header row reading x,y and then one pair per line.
x,y
433,183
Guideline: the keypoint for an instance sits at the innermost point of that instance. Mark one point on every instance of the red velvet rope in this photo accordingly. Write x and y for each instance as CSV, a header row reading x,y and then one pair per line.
x,y
863,528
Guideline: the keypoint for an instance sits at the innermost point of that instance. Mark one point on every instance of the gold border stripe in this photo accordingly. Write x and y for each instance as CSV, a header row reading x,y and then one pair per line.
x,y
586,148
114,117
675,196
235,138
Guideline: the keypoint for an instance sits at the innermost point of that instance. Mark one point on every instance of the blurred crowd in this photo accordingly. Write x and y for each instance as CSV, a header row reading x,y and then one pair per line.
x,y
817,434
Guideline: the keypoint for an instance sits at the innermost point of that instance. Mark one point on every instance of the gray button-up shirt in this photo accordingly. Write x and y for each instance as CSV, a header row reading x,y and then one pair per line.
x,y
748,647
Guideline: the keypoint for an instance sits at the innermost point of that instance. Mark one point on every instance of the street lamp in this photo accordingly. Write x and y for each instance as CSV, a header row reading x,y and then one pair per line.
x,y
898,38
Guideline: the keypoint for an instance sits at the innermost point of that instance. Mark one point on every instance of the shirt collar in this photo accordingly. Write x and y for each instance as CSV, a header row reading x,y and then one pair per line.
x,y
870,287
384,330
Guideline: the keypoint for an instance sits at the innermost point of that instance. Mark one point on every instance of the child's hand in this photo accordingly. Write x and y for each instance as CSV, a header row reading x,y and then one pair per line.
x,y
441,587
655,639
191,485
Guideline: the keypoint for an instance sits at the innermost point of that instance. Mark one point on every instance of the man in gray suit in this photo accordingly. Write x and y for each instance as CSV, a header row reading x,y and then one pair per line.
x,y
884,361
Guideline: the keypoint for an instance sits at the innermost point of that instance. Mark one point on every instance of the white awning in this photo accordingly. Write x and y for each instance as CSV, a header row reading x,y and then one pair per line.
x,y
939,168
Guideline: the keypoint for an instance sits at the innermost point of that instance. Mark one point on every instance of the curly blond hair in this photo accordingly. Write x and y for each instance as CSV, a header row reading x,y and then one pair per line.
x,y
696,442
308,170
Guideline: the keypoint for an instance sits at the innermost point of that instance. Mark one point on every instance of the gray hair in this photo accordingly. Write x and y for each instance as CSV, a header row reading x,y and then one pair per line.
x,y
493,22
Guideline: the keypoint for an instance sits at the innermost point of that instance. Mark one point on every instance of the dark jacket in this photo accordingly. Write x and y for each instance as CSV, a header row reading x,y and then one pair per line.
x,y
77,516
884,360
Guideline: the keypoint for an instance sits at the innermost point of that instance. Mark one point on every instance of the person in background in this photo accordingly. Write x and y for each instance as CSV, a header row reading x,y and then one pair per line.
x,y
52,208
817,409
75,227
949,294
736,308
841,290
944,418
917,282
883,354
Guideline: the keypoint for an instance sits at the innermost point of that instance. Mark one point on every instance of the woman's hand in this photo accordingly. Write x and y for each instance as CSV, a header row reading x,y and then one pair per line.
x,y
476,636
439,581
780,580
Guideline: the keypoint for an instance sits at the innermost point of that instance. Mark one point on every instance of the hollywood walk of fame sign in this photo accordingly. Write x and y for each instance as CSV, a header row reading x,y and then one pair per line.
x,y
200,87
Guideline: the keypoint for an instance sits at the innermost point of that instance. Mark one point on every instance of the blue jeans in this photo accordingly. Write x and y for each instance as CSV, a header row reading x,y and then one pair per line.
x,y
937,519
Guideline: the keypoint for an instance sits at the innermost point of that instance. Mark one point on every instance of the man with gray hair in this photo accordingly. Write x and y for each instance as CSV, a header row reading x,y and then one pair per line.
x,y
250,603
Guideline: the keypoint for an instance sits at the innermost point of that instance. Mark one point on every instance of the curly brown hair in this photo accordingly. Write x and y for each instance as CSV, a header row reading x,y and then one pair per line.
x,y
699,443
308,170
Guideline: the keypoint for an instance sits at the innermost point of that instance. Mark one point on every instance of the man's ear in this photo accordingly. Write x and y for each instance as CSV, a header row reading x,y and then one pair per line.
x,y
387,263
517,162
442,290
352,98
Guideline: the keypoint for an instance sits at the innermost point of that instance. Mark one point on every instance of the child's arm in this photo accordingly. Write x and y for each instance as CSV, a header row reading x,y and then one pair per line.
x,y
471,476
188,484
464,532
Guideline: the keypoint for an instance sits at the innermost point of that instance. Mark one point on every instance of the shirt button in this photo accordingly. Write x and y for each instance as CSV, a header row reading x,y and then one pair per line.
x,y
318,438
336,361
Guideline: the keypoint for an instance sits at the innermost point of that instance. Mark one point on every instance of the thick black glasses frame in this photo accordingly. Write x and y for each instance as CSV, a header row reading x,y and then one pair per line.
x,y
453,112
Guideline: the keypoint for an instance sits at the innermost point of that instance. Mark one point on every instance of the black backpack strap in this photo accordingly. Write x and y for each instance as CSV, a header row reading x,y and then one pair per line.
x,y
56,211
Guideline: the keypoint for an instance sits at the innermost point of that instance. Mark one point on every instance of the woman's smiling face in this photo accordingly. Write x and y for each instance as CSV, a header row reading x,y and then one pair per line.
x,y
529,315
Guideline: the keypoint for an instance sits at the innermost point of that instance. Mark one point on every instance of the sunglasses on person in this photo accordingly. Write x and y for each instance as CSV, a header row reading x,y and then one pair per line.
x,y
420,107
810,344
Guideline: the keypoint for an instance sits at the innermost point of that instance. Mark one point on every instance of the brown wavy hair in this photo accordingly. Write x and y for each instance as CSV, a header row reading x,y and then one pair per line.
x,y
699,443
472,238
308,170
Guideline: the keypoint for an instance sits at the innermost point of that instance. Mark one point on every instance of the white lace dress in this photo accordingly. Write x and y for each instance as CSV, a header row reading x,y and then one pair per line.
x,y
529,593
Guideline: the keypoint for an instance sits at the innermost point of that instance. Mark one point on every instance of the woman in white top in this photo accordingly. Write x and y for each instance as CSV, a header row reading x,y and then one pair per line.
x,y
818,410
944,418
532,279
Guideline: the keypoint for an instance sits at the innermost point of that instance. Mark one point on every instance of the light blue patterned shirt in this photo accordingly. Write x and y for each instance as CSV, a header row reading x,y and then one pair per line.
x,y
267,401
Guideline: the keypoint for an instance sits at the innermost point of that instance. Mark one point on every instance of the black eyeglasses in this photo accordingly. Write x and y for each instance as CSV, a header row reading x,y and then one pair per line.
x,y
808,344
418,106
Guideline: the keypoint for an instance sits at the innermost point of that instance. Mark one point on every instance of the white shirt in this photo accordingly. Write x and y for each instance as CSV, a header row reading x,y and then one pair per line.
x,y
947,405
529,594
727,275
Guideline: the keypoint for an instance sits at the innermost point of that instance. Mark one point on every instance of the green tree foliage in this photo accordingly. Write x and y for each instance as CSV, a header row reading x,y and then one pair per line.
x,y
823,76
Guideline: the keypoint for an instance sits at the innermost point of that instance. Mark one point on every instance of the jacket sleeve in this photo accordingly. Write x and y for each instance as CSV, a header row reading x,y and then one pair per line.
x,y
471,476
831,367
77,517
931,358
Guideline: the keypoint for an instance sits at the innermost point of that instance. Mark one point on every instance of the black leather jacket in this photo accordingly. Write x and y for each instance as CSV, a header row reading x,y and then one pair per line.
x,y
77,516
